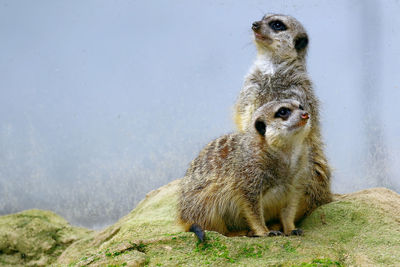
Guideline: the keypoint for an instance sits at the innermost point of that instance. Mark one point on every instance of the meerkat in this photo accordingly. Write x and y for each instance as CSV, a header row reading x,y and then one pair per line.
x,y
279,72
240,181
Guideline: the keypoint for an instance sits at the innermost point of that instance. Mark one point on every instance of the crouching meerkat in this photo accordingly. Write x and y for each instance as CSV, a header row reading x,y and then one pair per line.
x,y
279,72
241,180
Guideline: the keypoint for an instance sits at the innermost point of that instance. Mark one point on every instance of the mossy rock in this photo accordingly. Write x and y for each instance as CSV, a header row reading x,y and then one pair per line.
x,y
359,229
35,237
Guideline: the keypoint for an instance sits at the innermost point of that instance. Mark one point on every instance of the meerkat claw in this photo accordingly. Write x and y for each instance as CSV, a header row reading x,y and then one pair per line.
x,y
275,233
296,232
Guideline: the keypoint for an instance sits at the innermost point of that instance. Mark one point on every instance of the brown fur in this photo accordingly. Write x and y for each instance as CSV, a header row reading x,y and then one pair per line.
x,y
242,180
280,73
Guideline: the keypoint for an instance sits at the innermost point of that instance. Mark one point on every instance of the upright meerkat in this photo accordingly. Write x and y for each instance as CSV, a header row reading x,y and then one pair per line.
x,y
242,180
279,72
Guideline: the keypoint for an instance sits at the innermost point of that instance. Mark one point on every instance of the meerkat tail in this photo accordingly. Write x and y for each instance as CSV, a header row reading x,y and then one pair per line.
x,y
199,232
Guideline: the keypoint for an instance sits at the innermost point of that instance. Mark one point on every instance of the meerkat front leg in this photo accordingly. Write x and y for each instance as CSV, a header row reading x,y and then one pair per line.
x,y
253,214
255,221
288,215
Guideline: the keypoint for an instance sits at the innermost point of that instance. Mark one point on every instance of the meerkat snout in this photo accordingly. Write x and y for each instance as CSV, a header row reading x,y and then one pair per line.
x,y
304,116
256,25
299,120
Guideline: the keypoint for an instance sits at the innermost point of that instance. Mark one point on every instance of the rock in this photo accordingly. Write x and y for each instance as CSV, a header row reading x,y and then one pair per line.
x,y
359,229
35,237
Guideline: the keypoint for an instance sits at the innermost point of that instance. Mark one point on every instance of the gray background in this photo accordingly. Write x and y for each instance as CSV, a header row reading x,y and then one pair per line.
x,y
103,101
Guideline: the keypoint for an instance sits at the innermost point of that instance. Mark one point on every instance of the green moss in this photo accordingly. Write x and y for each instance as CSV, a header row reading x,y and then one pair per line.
x,y
214,249
320,263
336,233
35,235
251,251
355,230
288,247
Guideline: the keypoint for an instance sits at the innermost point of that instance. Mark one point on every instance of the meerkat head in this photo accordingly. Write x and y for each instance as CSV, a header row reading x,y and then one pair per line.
x,y
282,123
281,36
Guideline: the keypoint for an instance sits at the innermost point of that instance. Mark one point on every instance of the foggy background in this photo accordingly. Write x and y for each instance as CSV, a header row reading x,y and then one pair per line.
x,y
103,101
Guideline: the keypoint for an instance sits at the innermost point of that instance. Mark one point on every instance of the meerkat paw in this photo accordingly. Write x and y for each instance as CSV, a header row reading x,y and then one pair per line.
x,y
254,234
250,233
275,233
296,232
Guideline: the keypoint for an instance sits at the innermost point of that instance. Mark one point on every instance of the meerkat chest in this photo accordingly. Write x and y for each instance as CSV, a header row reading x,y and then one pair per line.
x,y
274,200
278,193
266,67
296,157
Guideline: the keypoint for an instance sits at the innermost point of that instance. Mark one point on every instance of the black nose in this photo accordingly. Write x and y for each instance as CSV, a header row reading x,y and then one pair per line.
x,y
256,25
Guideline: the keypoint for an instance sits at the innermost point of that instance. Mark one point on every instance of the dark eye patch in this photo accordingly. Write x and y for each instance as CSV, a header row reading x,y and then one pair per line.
x,y
277,25
301,107
283,113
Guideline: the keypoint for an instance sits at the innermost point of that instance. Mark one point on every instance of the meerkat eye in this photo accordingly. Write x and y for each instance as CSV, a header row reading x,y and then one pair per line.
x,y
283,113
301,107
277,25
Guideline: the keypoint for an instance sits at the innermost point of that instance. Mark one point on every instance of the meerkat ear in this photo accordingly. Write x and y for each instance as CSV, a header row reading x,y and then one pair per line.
x,y
260,127
301,42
